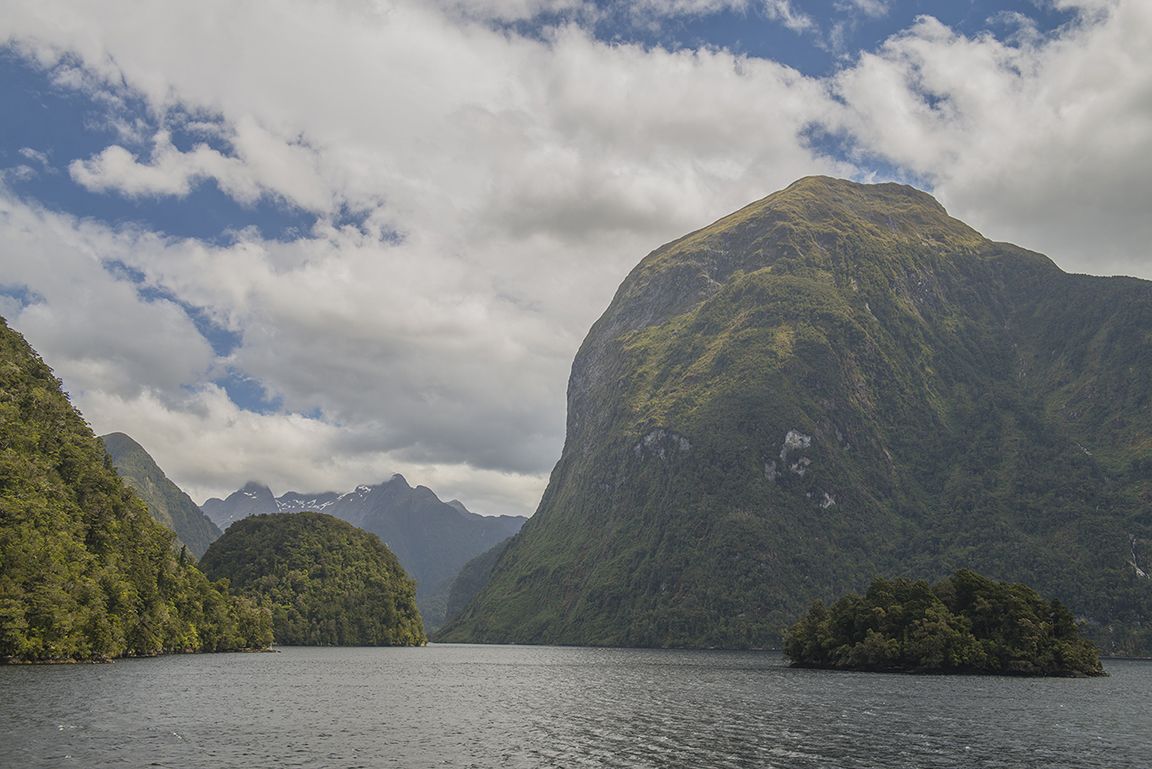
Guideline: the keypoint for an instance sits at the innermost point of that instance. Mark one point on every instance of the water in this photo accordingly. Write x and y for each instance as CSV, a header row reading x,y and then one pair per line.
x,y
518,706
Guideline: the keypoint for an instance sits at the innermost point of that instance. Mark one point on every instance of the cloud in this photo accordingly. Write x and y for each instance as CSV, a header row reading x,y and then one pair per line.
x,y
1046,142
416,385
871,8
479,195
102,334
782,11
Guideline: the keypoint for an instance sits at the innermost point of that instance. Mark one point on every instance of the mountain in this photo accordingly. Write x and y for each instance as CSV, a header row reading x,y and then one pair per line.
x,y
835,383
170,506
326,582
471,579
253,499
85,572
432,539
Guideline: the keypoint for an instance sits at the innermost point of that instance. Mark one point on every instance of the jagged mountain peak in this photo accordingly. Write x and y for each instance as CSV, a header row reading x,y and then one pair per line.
x,y
432,539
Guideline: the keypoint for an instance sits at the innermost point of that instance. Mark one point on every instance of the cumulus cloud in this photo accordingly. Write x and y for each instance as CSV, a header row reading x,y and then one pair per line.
x,y
102,333
1046,142
478,197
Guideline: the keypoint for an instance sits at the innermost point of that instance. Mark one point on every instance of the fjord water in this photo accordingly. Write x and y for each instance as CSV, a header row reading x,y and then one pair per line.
x,y
518,706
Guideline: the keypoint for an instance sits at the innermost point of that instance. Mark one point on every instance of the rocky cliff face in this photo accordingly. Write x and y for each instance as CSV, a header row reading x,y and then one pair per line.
x,y
837,382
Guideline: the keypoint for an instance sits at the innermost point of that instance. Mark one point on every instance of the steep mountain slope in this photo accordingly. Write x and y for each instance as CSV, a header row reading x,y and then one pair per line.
x,y
325,581
84,570
838,382
471,579
170,506
432,539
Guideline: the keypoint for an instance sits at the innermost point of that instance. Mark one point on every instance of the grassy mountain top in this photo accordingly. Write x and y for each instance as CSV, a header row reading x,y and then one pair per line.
x,y
814,213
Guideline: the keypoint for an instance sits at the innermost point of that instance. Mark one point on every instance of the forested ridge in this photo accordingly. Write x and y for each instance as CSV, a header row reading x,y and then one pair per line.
x,y
171,507
325,582
965,623
85,572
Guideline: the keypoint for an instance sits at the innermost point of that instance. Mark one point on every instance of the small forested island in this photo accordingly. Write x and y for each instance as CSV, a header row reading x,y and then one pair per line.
x,y
326,582
963,624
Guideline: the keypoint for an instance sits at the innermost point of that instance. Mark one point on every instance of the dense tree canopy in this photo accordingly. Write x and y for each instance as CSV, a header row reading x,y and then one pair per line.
x,y
965,623
325,581
84,570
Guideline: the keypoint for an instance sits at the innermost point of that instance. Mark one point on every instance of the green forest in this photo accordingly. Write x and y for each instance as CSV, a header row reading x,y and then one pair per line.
x,y
171,507
963,624
324,581
85,572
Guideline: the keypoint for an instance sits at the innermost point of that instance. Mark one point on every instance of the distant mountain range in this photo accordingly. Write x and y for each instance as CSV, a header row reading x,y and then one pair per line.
x,y
433,539
170,506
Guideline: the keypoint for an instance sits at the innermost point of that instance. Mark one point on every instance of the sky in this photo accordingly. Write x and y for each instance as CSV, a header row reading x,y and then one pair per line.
x,y
313,243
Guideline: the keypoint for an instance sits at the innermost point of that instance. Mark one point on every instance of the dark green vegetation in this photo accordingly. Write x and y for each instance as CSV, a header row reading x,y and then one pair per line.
x,y
836,382
432,539
171,507
963,624
326,582
471,579
85,572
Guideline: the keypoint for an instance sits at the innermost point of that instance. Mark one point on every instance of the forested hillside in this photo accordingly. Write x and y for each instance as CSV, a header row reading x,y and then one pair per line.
x,y
433,539
171,507
835,383
85,572
325,582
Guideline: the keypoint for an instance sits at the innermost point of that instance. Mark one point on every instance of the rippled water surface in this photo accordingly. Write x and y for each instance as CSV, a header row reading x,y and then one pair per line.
x,y
518,706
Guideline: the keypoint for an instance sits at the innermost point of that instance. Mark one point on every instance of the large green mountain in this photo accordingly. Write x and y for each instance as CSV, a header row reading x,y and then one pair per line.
x,y
170,506
835,383
84,570
326,582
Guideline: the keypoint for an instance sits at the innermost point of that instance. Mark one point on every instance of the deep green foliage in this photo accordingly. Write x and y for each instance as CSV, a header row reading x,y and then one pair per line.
x,y
84,570
471,579
964,623
171,507
836,382
325,582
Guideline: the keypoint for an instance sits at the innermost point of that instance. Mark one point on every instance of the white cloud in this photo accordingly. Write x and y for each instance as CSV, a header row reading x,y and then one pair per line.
x,y
523,178
101,334
782,10
1046,143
